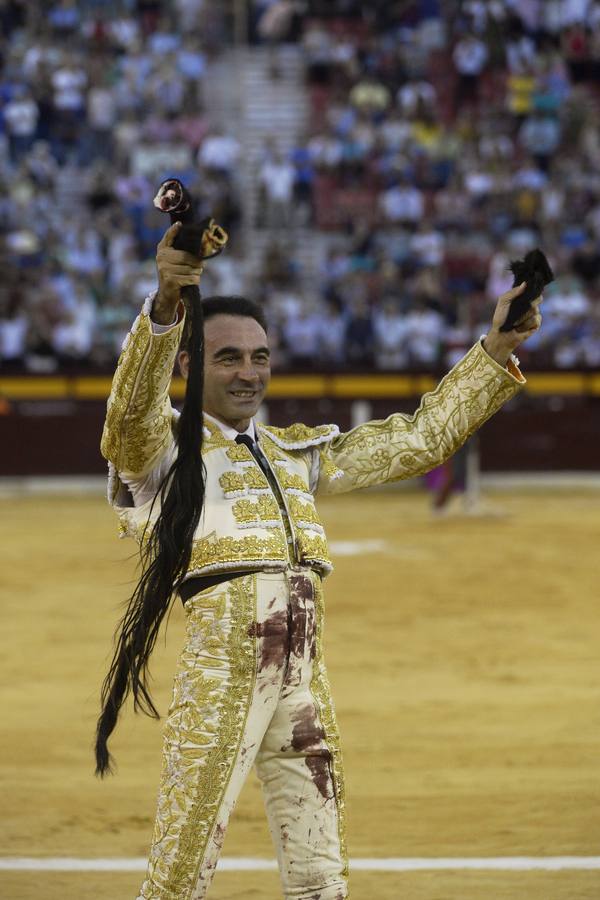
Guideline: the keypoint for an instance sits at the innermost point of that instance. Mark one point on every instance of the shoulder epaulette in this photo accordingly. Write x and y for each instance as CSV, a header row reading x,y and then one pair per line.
x,y
298,436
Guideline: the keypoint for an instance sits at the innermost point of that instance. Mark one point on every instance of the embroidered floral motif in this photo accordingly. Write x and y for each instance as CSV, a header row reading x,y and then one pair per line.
x,y
250,481
300,437
203,733
321,691
214,438
329,469
289,480
123,526
313,549
255,480
303,512
259,510
232,482
381,458
403,446
138,418
239,453
227,552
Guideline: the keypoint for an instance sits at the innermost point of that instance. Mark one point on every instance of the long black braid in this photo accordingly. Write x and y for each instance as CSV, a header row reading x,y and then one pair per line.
x,y
165,555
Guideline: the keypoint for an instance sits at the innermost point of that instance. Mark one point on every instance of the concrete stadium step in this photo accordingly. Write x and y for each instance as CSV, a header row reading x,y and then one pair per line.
x,y
242,96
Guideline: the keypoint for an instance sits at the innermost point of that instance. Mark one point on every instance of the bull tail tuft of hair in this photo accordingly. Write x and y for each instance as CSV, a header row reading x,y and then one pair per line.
x,y
165,556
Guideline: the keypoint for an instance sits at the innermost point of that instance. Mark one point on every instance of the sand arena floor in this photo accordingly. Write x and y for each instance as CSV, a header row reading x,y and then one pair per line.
x,y
464,656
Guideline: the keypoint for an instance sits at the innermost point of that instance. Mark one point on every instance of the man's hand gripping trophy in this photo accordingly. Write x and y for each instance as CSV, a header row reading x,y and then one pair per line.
x,y
517,314
182,251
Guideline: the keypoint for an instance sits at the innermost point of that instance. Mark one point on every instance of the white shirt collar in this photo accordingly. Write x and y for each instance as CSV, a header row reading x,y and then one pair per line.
x,y
229,432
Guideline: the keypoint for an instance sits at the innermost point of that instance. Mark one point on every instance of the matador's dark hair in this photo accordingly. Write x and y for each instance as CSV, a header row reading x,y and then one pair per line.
x,y
224,305
166,551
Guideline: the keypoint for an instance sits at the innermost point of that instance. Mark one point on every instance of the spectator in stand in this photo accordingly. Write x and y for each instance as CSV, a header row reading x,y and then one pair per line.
x,y
415,96
73,334
395,132
424,329
121,254
21,115
317,45
470,56
360,337
301,335
520,49
332,337
325,150
277,178
101,119
219,152
166,88
576,49
64,17
586,262
191,65
568,300
520,94
391,332
13,327
69,84
427,133
402,203
370,97
540,136
304,178
427,245
590,345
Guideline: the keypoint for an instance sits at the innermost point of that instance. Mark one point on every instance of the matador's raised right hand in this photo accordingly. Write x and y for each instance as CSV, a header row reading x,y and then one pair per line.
x,y
176,269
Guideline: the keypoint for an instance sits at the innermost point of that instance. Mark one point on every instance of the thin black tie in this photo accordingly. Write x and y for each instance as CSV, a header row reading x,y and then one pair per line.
x,y
256,453
273,483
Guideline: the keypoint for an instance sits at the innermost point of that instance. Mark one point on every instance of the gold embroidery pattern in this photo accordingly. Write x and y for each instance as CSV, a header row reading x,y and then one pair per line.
x,y
299,436
232,482
215,439
203,733
238,453
212,553
224,552
303,512
329,469
403,446
273,453
251,480
288,480
138,418
259,510
313,549
255,480
321,691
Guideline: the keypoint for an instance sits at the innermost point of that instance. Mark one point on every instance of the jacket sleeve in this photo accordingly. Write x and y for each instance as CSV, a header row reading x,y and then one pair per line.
x,y
137,430
403,446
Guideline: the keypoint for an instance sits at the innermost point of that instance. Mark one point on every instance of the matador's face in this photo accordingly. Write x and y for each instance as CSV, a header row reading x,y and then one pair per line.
x,y
237,368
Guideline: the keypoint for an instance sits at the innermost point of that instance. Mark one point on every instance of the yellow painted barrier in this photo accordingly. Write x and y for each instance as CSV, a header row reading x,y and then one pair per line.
x,y
367,386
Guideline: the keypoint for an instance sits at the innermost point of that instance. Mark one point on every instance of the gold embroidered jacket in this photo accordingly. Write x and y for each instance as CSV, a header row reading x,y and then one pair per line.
x,y
242,526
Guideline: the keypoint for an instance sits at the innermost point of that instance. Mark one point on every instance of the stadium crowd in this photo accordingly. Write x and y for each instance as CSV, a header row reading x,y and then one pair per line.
x,y
445,140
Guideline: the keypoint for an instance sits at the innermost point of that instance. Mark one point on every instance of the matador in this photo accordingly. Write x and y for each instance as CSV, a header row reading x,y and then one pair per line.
x,y
251,686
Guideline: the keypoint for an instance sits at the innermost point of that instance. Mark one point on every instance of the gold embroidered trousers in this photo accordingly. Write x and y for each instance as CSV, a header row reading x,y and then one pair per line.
x,y
251,688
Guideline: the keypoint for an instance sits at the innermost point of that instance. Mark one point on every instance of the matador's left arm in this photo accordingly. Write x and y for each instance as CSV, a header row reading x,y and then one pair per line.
x,y
403,446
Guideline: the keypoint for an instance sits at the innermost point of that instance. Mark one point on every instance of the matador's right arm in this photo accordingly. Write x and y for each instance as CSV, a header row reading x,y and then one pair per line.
x,y
138,429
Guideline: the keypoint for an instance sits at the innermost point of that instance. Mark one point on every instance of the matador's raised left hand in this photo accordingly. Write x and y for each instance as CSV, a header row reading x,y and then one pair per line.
x,y
500,344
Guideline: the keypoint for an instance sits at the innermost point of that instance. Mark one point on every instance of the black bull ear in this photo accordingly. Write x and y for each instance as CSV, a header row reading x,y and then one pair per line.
x,y
535,270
